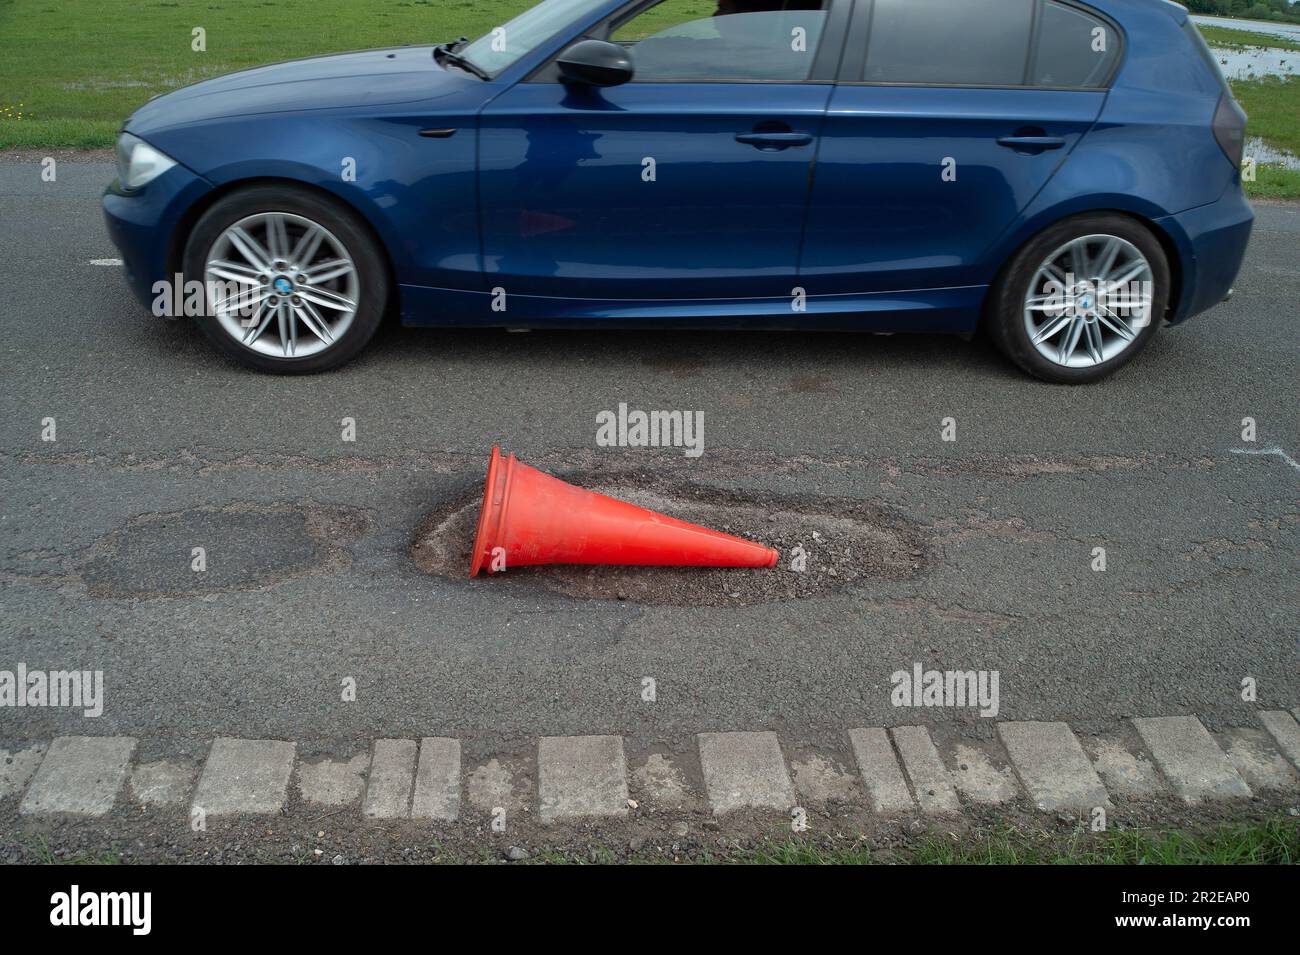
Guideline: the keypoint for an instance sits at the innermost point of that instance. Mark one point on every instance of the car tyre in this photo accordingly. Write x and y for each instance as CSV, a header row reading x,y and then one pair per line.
x,y
342,263
1019,317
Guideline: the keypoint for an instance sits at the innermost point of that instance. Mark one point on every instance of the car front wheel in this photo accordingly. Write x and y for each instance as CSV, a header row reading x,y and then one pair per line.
x,y
294,282
1081,299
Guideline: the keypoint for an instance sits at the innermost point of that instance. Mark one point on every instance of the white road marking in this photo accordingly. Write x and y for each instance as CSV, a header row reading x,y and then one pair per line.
x,y
1272,452
109,262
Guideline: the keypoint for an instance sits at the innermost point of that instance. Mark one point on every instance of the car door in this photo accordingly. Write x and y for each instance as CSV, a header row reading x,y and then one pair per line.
x,y
949,119
689,182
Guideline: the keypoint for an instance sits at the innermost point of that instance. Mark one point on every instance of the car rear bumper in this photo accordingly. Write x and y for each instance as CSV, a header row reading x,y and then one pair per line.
x,y
1212,241
142,224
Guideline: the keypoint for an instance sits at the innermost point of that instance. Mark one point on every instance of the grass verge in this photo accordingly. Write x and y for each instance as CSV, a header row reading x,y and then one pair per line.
x,y
1273,842
72,70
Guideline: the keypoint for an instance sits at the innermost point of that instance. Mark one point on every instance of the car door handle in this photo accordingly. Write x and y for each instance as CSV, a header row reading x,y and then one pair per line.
x,y
1032,143
774,140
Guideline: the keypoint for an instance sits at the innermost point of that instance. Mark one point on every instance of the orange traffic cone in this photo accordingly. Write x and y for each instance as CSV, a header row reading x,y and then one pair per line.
x,y
532,518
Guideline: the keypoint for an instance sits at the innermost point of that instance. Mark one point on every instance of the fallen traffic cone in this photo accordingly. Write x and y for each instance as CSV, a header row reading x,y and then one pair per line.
x,y
532,518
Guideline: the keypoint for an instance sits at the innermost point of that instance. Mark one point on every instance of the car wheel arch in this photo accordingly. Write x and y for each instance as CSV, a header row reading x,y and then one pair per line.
x,y
1173,254
191,216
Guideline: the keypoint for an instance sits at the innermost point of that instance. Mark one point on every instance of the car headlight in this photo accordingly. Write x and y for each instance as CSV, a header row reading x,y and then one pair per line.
x,y
138,163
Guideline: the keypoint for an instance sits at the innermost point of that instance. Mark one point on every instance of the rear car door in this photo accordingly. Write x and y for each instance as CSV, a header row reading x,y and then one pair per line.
x,y
689,182
949,118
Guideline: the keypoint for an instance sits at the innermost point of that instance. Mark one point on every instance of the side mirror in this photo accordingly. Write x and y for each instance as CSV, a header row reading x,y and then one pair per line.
x,y
595,63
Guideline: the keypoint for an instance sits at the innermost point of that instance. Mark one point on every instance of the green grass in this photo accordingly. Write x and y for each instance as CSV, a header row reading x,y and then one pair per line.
x,y
1273,105
1276,842
40,848
1272,182
74,69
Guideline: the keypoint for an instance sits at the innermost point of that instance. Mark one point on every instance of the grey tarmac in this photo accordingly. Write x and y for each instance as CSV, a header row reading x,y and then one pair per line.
x,y
162,447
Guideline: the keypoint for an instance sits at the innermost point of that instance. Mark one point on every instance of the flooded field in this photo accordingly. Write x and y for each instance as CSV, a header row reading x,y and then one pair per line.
x,y
1257,62
1251,62
1266,155
1288,31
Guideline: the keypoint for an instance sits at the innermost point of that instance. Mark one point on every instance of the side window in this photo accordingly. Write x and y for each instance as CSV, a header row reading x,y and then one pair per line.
x,y
949,42
1075,49
724,40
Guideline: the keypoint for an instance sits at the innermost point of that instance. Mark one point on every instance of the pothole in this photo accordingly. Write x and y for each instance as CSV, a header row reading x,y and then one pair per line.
x,y
848,543
244,546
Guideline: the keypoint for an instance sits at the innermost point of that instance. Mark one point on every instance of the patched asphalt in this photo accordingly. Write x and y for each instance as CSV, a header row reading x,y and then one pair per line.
x,y
163,447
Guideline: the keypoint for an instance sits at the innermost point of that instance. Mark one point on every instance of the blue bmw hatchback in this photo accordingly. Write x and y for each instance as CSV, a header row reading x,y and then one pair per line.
x,y
1062,174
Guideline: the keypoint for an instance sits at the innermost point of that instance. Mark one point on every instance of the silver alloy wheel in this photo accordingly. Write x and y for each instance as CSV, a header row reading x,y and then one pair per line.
x,y
1089,301
281,269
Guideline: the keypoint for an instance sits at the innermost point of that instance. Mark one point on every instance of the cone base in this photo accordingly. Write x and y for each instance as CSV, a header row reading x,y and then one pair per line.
x,y
488,516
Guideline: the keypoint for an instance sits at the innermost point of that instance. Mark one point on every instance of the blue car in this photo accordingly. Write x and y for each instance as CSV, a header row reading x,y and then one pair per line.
x,y
1062,175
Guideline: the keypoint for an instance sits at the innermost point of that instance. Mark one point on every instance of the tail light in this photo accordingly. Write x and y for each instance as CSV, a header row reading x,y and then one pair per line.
x,y
1230,129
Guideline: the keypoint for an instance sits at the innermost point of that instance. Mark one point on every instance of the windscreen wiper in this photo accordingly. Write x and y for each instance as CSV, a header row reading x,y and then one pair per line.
x,y
446,52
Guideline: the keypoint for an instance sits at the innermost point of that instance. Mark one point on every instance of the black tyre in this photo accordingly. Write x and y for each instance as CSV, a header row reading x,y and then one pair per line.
x,y
295,281
1081,299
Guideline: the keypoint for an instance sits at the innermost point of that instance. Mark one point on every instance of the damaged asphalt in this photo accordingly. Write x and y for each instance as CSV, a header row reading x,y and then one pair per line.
x,y
312,579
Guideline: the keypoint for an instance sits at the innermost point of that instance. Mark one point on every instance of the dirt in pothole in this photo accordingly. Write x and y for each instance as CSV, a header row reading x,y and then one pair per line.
x,y
847,543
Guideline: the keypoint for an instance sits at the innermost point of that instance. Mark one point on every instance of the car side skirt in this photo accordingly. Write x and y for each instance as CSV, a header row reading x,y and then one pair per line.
x,y
945,310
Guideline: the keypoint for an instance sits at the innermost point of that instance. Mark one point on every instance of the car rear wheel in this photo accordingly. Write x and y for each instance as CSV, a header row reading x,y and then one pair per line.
x,y
1081,299
294,282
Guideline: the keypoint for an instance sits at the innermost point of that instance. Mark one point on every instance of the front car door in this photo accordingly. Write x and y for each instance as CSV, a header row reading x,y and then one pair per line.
x,y
690,182
950,117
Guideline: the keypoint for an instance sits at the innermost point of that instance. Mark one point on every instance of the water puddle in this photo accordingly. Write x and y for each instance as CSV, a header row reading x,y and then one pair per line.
x,y
1256,62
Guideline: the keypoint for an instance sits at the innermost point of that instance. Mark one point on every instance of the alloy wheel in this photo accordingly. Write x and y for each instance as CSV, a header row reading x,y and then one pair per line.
x,y
281,284
1089,301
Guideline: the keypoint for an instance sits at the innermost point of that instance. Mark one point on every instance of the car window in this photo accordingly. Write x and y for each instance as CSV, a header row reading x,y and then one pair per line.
x,y
949,42
724,40
1075,49
503,45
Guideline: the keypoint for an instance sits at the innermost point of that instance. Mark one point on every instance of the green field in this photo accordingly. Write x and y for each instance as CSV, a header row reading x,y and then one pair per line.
x,y
72,70
1273,105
